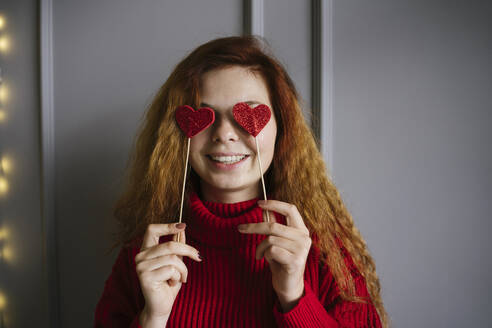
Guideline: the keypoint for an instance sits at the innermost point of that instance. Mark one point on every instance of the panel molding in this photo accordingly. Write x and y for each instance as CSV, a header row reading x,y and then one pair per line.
x,y
253,22
322,77
47,131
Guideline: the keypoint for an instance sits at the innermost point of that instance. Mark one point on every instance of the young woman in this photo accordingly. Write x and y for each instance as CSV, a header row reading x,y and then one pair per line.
x,y
308,267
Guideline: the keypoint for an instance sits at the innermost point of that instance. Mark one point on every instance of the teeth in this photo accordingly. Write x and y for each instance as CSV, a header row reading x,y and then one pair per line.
x,y
228,159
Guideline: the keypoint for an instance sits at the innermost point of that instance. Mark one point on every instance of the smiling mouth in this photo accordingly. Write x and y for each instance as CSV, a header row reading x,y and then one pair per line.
x,y
227,159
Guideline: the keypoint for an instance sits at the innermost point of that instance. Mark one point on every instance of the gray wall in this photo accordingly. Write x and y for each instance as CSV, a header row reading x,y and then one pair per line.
x,y
411,104
110,58
412,115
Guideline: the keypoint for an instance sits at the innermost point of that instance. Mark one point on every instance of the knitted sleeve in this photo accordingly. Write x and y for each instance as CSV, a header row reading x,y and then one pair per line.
x,y
322,306
121,301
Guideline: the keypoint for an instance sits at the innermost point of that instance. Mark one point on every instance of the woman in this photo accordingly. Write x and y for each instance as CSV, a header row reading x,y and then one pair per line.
x,y
307,267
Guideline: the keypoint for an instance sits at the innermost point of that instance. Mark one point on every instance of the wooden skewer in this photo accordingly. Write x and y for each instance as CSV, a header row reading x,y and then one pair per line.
x,y
261,175
184,183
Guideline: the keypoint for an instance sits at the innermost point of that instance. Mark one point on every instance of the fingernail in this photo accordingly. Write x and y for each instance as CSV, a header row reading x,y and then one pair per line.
x,y
241,227
200,257
180,225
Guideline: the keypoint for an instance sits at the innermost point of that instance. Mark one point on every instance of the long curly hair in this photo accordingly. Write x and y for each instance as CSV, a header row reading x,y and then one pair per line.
x,y
153,192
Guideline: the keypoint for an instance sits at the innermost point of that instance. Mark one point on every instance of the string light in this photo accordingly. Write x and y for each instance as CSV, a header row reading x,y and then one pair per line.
x,y
3,304
3,301
4,186
3,237
5,168
5,165
4,44
7,254
3,92
4,233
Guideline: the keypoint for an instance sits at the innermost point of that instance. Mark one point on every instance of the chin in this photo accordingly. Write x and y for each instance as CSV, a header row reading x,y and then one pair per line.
x,y
230,186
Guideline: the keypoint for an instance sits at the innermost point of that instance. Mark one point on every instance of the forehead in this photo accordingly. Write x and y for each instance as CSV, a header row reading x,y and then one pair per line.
x,y
227,86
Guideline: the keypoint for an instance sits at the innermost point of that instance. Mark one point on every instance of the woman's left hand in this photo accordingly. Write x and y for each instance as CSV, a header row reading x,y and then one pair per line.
x,y
286,249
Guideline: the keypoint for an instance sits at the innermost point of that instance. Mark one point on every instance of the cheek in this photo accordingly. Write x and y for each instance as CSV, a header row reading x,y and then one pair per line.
x,y
196,149
267,141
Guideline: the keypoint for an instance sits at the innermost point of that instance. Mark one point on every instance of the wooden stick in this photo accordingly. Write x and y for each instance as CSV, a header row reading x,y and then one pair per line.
x,y
184,183
261,175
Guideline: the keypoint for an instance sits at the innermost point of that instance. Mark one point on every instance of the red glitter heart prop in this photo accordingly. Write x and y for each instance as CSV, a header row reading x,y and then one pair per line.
x,y
252,120
193,121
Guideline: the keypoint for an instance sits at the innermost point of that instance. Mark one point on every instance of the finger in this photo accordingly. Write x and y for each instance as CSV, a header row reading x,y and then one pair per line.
x,y
154,231
272,228
169,248
157,262
280,255
162,274
292,215
175,279
287,244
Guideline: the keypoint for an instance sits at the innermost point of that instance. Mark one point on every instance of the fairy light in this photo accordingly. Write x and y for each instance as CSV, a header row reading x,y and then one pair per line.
x,y
4,233
3,304
6,252
3,301
3,92
4,186
5,165
3,237
4,44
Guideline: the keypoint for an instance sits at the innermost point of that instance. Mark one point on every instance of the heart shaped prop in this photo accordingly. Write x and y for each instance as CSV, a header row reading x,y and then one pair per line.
x,y
252,120
193,121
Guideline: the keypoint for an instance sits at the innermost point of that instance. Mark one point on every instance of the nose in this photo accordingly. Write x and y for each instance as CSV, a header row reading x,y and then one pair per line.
x,y
224,130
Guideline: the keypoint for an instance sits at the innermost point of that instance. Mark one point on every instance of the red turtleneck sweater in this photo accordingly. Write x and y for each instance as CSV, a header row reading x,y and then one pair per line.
x,y
230,288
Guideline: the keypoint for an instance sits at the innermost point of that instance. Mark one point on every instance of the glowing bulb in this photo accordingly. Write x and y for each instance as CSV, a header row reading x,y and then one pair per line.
x,y
3,116
4,186
4,44
3,301
3,93
6,165
2,22
7,254
4,233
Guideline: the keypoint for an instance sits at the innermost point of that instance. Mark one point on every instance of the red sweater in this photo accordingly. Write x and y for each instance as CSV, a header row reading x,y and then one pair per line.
x,y
230,288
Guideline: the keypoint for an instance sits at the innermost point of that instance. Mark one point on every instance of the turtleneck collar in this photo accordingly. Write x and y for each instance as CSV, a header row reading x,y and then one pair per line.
x,y
230,210
215,224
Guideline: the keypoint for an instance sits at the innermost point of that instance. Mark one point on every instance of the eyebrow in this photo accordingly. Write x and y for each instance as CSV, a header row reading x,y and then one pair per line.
x,y
249,102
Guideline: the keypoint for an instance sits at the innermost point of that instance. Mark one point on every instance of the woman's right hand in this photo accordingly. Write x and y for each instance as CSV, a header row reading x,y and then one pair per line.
x,y
161,269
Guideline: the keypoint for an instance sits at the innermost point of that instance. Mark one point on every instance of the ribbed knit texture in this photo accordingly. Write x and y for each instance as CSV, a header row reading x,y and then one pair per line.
x,y
230,288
